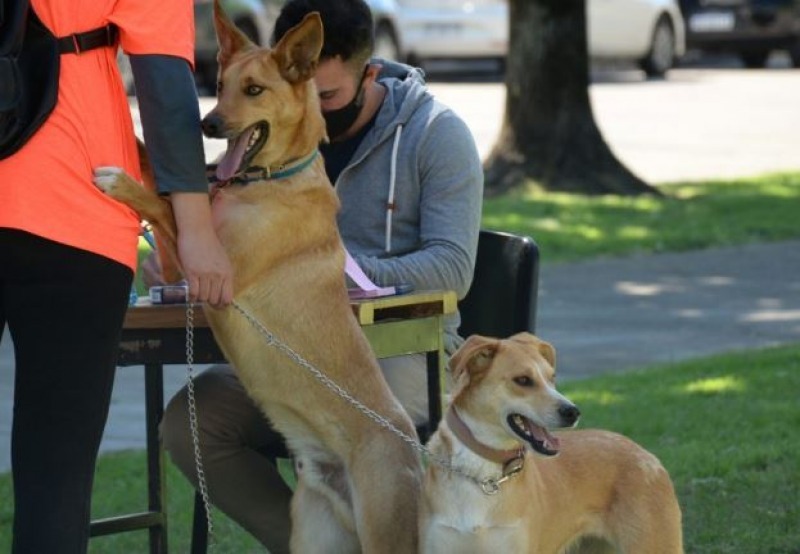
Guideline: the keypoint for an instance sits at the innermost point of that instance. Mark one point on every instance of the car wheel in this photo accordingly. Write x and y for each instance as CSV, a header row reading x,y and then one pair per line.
x,y
386,45
205,77
249,29
662,50
754,59
794,54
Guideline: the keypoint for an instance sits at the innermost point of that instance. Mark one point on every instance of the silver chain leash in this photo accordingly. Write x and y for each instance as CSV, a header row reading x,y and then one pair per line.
x,y
193,425
490,485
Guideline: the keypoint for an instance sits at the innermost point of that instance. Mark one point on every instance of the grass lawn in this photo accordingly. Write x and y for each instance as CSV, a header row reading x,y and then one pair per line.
x,y
725,427
690,216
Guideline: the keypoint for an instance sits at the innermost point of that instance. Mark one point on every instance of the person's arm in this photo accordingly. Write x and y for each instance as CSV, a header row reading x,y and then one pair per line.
x,y
170,117
450,214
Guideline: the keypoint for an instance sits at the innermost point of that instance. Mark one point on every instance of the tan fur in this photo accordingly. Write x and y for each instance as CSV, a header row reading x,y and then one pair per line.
x,y
601,493
358,484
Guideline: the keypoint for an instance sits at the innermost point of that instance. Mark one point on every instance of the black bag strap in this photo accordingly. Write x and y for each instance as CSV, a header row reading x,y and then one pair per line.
x,y
96,38
30,57
13,15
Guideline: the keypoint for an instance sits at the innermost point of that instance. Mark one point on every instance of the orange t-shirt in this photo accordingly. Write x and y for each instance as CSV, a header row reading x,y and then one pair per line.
x,y
46,187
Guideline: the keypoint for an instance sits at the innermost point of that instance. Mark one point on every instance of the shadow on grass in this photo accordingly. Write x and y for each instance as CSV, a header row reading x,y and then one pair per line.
x,y
724,427
689,216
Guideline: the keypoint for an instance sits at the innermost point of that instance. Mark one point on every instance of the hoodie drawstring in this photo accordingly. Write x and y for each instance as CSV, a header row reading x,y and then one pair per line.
x,y
392,182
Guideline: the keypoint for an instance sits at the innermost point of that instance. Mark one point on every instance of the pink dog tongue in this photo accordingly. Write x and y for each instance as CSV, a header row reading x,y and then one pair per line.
x,y
232,159
540,434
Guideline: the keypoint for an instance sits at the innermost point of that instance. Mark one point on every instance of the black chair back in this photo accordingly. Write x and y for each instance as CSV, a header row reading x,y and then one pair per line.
x,y
502,298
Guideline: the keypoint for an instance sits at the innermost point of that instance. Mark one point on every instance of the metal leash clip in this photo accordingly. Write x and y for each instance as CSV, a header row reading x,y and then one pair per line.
x,y
491,486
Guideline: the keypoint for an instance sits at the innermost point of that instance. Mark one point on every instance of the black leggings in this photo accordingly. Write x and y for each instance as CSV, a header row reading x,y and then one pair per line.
x,y
64,309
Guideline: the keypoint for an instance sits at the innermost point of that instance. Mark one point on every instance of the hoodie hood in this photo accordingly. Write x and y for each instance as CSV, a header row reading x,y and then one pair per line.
x,y
405,93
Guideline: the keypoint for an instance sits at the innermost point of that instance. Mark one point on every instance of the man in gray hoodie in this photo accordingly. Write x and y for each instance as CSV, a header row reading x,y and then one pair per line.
x,y
410,182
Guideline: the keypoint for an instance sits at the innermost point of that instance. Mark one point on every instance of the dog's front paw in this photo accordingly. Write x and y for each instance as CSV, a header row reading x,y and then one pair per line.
x,y
106,178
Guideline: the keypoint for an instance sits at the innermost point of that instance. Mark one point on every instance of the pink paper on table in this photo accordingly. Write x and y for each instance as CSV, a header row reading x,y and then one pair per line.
x,y
366,288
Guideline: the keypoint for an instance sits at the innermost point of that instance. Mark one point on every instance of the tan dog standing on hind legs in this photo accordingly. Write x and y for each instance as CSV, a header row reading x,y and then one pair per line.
x,y
358,485
517,487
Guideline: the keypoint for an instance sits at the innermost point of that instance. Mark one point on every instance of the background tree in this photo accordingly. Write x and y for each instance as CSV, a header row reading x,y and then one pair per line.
x,y
549,134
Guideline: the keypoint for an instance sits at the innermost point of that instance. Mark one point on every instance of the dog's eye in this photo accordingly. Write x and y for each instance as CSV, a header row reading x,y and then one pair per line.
x,y
253,90
524,381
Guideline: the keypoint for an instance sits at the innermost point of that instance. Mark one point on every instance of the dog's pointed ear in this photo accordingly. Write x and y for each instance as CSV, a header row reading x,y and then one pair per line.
x,y
229,38
475,354
297,53
546,349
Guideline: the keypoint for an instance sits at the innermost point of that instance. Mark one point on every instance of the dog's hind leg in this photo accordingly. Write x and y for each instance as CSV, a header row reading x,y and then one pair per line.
x,y
316,526
662,535
591,545
650,520
386,501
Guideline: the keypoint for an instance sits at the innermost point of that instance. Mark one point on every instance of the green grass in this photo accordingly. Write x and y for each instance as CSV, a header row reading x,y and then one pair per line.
x,y
120,488
725,427
689,216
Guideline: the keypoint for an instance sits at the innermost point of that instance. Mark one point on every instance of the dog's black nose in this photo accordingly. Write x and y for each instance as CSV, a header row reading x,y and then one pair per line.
x,y
569,414
213,126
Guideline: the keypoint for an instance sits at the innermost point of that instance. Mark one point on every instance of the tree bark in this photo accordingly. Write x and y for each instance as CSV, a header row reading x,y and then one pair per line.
x,y
549,134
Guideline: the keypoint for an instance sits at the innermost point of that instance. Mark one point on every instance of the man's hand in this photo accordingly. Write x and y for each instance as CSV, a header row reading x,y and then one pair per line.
x,y
205,263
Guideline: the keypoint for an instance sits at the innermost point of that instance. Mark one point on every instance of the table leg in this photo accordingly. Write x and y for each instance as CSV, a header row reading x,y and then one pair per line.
x,y
436,367
199,527
156,483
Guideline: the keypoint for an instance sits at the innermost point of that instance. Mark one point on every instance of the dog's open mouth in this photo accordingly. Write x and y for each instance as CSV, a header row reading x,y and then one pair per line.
x,y
241,150
535,435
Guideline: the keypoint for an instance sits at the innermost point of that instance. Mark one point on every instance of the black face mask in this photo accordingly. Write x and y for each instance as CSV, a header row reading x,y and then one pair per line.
x,y
338,121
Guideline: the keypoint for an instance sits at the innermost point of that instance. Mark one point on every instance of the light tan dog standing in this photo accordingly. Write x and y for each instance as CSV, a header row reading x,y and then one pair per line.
x,y
358,484
577,491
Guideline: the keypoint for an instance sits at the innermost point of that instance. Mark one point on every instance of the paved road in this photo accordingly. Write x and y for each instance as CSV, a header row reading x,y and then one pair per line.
x,y
610,315
697,124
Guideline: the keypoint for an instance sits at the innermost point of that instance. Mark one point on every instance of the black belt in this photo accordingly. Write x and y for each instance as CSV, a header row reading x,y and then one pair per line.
x,y
81,42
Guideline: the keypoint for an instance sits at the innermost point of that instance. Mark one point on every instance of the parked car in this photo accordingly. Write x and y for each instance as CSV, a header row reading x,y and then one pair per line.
x,y
255,18
650,32
751,29
418,30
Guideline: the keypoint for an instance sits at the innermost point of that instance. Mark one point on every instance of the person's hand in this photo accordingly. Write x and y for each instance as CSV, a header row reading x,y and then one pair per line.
x,y
206,268
205,264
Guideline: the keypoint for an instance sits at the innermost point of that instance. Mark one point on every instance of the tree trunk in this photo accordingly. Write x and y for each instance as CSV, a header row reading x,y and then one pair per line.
x,y
549,134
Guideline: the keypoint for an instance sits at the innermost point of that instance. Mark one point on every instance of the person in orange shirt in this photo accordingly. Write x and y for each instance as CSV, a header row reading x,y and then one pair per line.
x,y
68,252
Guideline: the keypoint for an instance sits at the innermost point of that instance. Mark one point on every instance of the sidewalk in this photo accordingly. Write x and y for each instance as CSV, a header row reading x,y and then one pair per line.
x,y
602,316
614,314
